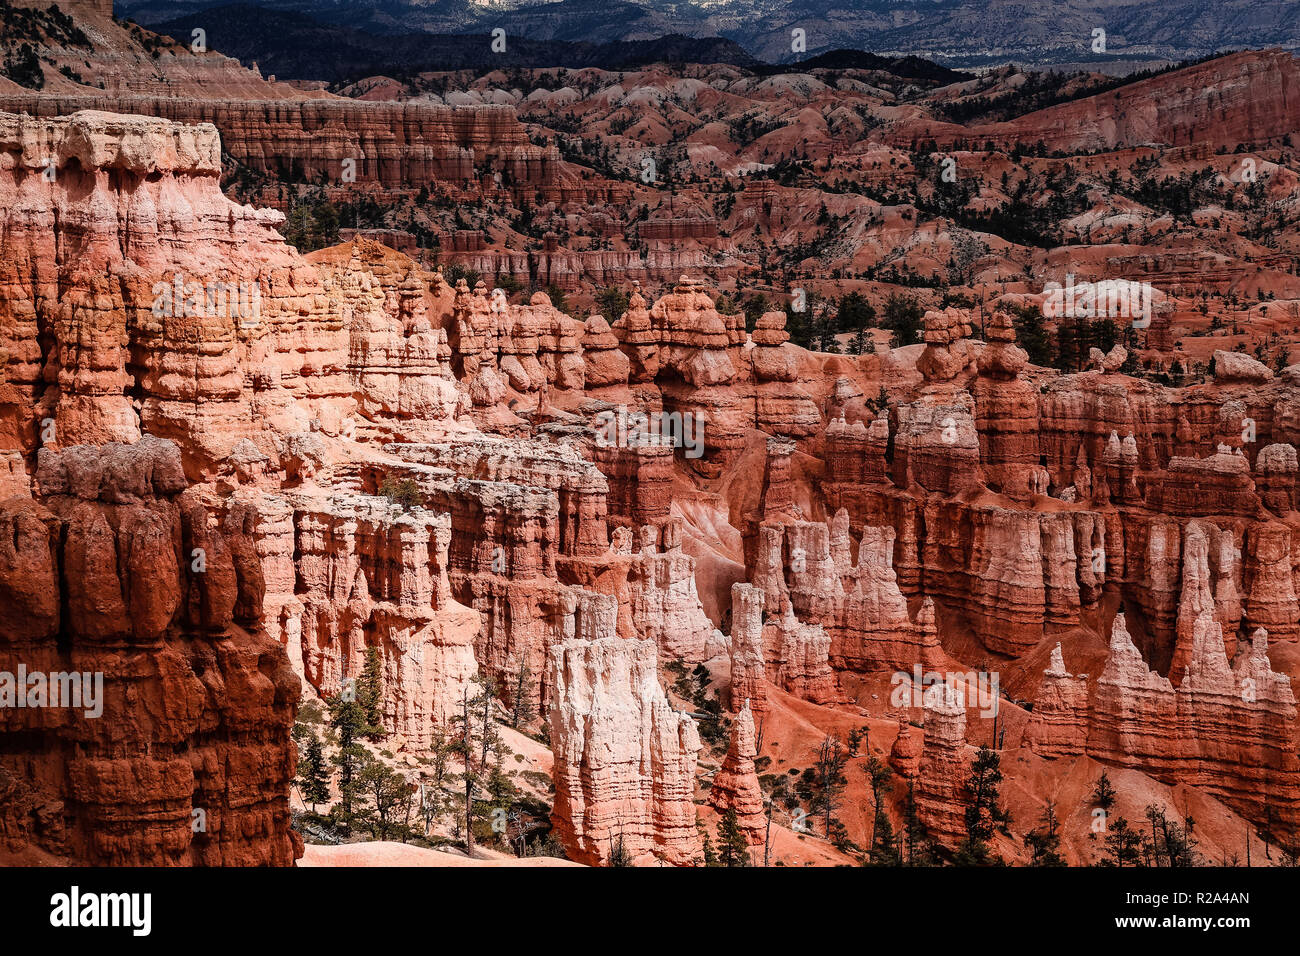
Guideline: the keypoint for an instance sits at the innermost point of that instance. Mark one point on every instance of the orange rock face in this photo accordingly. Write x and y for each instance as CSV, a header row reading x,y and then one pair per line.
x,y
735,786
624,760
945,765
1225,728
1254,93
389,145
364,454
116,574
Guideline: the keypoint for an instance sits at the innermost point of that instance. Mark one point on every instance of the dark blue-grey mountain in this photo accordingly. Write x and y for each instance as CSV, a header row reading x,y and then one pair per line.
x,y
956,32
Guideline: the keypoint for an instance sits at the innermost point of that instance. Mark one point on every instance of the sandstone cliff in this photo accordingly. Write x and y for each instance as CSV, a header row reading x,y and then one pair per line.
x,y
185,759
624,759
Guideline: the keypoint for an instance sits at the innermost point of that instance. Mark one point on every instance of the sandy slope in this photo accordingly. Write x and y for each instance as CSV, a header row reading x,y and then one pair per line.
x,y
402,854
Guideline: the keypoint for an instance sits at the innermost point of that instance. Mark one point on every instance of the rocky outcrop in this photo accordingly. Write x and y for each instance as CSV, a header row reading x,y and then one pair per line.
x,y
1254,103
698,361
640,481
372,574
580,490
941,780
1229,730
1270,600
386,459
735,785
860,606
177,751
624,767
1006,413
1276,477
905,752
664,603
526,347
797,658
605,364
748,663
390,145
1199,591
1058,725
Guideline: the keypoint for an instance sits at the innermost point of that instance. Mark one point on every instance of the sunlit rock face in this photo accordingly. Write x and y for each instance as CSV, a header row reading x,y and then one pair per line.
x,y
369,455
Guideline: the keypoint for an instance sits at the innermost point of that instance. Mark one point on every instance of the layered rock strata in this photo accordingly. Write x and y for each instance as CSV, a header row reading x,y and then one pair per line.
x,y
174,748
624,767
735,785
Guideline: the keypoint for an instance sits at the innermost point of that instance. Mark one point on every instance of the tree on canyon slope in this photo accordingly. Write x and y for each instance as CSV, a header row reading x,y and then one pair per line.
x,y
522,713
463,747
879,779
1045,843
903,315
612,302
825,781
754,306
1103,794
405,493
1031,334
855,313
913,847
1123,844
370,694
312,774
985,812
733,850
390,799
1171,843
348,720
489,794
800,325
311,224
434,800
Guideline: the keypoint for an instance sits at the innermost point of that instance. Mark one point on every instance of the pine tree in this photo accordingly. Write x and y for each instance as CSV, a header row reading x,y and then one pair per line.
x,y
706,844
1103,794
878,778
1070,345
370,694
828,781
348,719
1175,842
861,343
312,775
477,742
1031,334
1122,844
733,850
523,711
913,832
618,854
887,850
463,747
903,317
859,739
1045,844
985,812
855,313
389,794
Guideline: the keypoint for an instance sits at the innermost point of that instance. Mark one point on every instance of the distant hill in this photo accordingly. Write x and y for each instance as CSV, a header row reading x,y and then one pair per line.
x,y
957,33
907,67
296,46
